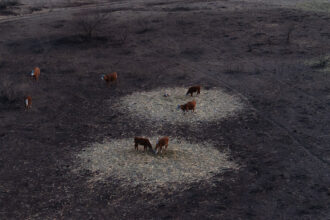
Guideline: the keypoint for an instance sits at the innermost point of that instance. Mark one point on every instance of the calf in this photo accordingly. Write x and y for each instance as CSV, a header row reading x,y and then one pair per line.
x,y
188,106
28,102
142,141
111,77
193,89
162,142
35,73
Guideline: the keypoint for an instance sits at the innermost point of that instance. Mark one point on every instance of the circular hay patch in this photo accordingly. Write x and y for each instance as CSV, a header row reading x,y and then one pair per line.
x,y
211,105
182,163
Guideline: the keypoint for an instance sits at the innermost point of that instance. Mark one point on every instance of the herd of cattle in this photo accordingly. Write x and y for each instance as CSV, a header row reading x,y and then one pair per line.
x,y
112,77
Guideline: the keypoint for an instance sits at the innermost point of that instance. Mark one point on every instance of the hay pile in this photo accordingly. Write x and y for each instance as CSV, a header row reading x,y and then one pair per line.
x,y
182,163
211,105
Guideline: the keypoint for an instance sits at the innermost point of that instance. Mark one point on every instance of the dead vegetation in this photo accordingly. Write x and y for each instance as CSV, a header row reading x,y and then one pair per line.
x,y
93,26
320,62
90,23
4,4
120,37
11,90
144,26
289,34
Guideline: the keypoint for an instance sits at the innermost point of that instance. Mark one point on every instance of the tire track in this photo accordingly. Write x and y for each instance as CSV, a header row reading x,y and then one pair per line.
x,y
57,11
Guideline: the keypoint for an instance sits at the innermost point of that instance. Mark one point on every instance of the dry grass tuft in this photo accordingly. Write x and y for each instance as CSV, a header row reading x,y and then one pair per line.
x,y
321,63
211,105
183,163
11,90
315,5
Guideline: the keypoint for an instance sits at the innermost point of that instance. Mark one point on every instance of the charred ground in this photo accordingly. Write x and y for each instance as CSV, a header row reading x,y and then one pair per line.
x,y
280,141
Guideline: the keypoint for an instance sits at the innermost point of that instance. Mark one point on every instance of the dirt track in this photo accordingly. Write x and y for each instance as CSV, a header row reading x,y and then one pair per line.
x,y
281,141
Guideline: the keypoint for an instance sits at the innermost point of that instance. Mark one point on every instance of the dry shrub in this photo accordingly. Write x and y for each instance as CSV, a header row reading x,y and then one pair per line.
x,y
322,6
120,37
11,90
183,163
144,26
89,23
321,63
211,105
8,3
290,29
233,68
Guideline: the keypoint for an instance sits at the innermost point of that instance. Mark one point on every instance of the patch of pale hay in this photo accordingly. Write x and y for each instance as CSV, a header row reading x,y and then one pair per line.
x,y
211,105
182,163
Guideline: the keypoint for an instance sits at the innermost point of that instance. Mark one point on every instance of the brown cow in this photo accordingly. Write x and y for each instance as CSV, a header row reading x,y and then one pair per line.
x,y
188,106
35,73
142,141
28,102
162,142
111,77
193,89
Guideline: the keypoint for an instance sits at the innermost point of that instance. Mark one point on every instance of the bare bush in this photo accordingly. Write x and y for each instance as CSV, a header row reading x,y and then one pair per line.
x,y
233,68
320,62
121,37
289,34
7,3
144,27
90,23
10,90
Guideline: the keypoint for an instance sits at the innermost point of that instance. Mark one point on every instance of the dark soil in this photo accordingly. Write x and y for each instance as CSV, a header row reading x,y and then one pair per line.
x,y
281,140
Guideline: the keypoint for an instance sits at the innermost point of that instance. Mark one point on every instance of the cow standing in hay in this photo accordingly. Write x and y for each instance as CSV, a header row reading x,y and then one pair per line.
x,y
35,73
188,106
162,142
193,89
142,141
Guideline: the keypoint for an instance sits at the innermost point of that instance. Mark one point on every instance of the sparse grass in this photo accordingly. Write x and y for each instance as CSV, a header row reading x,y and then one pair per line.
x,y
120,38
321,63
11,90
179,8
193,54
183,163
211,105
315,5
144,26
233,68
143,30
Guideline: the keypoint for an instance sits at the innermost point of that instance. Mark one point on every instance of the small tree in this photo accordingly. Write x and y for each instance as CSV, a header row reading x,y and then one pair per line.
x,y
89,23
289,33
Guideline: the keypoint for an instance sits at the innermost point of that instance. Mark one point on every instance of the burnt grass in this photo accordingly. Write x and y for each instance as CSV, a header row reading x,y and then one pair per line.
x,y
281,140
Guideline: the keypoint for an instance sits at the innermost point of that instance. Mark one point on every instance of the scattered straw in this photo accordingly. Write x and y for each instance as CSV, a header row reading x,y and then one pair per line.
x,y
211,105
182,163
